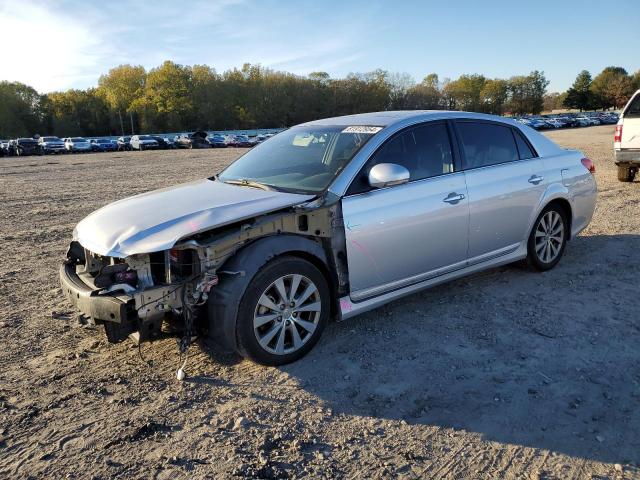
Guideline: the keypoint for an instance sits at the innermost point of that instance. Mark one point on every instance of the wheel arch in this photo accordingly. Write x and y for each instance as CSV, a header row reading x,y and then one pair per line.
x,y
556,194
566,207
238,271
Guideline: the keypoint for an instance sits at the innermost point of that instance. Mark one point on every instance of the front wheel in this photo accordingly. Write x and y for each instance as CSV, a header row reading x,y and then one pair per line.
x,y
282,312
548,239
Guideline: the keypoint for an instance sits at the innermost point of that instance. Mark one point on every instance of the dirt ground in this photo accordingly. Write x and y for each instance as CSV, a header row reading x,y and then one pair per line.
x,y
506,374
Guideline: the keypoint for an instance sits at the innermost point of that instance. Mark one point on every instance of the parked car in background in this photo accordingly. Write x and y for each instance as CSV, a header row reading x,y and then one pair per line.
x,y
339,216
124,143
196,139
217,141
103,145
3,147
143,142
240,141
77,144
626,140
49,145
163,142
23,147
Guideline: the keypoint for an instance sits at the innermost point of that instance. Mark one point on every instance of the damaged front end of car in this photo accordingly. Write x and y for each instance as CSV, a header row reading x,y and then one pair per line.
x,y
142,296
132,296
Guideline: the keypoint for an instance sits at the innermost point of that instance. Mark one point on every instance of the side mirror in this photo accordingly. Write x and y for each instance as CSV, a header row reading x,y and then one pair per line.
x,y
388,174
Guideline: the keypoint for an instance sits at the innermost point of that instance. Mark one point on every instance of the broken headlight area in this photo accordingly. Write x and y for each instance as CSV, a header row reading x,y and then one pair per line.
x,y
141,296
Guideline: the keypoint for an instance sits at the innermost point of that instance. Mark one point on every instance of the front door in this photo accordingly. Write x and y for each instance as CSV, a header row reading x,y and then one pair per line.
x,y
407,233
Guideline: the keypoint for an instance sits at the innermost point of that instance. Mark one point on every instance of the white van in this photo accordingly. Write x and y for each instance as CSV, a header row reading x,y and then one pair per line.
x,y
626,141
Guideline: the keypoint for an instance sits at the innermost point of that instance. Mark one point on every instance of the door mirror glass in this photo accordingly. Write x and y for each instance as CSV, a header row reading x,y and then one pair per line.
x,y
387,174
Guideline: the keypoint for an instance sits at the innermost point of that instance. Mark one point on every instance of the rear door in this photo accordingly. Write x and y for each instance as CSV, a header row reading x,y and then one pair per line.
x,y
403,234
505,183
631,124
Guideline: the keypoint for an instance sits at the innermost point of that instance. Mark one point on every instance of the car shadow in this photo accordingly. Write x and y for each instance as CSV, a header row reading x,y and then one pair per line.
x,y
545,360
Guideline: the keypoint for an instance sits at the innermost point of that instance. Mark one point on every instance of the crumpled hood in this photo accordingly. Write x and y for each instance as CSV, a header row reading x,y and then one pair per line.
x,y
156,220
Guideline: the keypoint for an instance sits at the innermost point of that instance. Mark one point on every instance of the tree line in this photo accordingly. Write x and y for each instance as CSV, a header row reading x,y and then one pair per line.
x,y
173,97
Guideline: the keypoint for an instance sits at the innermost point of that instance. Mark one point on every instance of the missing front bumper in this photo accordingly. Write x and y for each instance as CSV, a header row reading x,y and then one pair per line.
x,y
117,312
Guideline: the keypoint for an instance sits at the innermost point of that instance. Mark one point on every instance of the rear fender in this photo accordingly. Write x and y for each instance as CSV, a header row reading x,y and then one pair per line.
x,y
555,191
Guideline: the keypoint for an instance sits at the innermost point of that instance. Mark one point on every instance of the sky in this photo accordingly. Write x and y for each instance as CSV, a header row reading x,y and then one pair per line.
x,y
61,44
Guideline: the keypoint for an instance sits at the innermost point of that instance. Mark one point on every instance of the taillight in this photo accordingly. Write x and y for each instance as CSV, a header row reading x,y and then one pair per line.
x,y
617,136
588,164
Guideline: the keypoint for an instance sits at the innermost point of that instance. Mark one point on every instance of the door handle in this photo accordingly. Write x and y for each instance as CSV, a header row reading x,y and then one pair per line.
x,y
535,179
453,198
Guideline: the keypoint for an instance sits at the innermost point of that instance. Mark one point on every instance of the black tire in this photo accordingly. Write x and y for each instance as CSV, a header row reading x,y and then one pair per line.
x,y
534,259
626,173
248,345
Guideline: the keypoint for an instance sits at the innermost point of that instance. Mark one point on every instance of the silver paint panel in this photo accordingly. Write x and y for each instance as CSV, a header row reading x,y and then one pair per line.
x,y
400,234
502,204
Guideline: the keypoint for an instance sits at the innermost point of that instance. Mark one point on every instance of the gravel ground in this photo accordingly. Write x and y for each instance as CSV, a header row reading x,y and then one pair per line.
x,y
506,374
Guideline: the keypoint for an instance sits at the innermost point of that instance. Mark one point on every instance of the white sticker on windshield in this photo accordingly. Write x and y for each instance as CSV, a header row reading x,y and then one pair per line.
x,y
362,129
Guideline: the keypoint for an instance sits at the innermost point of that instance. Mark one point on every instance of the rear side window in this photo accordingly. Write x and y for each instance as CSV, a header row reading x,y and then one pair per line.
x,y
523,147
424,150
486,144
633,110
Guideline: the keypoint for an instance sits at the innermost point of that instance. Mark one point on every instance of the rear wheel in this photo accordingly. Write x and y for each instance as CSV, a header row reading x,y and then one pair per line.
x,y
282,312
548,238
626,173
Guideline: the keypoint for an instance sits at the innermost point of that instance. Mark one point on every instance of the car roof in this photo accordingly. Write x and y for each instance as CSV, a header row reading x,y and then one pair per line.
x,y
388,118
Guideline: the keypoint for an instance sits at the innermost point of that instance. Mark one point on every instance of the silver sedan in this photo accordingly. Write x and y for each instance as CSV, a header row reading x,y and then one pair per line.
x,y
325,220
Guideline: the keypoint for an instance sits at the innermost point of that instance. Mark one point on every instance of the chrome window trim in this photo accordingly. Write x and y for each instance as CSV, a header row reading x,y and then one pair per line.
x,y
494,122
341,183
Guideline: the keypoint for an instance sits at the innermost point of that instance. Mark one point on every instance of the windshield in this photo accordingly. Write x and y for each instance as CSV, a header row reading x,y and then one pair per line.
x,y
78,139
301,158
51,139
145,137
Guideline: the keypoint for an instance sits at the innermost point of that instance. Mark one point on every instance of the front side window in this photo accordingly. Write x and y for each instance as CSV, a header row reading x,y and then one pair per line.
x,y
425,151
486,144
301,159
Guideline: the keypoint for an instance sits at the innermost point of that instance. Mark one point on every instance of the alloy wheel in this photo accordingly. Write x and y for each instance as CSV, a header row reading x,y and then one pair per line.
x,y
549,236
287,314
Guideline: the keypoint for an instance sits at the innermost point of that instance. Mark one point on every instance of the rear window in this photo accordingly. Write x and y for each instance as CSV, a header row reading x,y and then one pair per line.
x,y
524,149
633,110
486,144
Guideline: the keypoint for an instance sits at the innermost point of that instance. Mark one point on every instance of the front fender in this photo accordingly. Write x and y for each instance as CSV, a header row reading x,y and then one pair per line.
x,y
237,272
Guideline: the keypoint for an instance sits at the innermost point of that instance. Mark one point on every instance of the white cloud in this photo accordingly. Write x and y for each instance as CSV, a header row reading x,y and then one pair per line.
x,y
61,44
47,47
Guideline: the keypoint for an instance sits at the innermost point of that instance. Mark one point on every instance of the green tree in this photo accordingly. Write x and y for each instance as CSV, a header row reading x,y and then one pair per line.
x,y
121,87
612,87
21,112
494,95
580,95
166,102
77,112
635,78
426,95
466,92
554,101
527,93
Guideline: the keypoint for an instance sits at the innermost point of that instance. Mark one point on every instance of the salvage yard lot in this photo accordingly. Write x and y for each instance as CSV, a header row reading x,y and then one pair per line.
x,y
505,374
